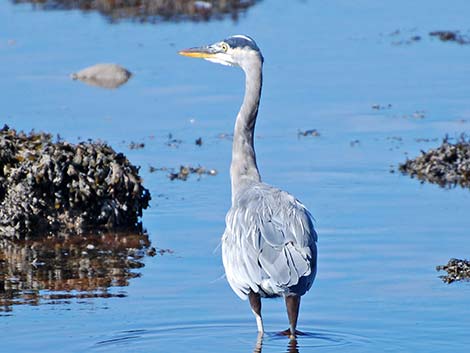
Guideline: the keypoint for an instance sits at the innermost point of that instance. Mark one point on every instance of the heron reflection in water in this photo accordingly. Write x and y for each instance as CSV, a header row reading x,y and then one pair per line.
x,y
292,346
269,244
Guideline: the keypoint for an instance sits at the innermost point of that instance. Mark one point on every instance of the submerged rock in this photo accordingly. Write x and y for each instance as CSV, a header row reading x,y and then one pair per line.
x,y
103,75
48,186
447,165
457,270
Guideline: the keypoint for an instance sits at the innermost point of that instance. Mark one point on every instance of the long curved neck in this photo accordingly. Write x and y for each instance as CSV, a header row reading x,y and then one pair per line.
x,y
243,168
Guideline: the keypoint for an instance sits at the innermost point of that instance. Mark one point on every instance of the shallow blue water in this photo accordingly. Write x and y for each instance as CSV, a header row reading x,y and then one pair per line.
x,y
326,64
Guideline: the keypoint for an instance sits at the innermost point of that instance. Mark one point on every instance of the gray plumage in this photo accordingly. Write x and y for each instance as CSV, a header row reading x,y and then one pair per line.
x,y
269,243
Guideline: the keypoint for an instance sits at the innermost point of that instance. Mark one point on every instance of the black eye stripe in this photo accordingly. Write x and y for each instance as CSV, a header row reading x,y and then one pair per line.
x,y
241,42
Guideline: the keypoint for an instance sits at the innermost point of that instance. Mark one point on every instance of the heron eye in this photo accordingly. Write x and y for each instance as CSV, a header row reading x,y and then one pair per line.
x,y
224,47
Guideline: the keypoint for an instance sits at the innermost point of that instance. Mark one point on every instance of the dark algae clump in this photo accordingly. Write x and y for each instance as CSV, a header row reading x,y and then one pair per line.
x,y
448,165
457,270
48,186
451,36
312,132
185,171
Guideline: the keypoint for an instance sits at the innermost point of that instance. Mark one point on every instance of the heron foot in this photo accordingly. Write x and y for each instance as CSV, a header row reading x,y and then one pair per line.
x,y
289,334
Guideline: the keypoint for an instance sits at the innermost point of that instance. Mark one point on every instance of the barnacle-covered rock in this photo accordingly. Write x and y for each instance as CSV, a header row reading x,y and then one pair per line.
x,y
48,186
447,165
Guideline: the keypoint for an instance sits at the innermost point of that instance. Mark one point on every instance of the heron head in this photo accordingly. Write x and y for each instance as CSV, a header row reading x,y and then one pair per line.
x,y
238,50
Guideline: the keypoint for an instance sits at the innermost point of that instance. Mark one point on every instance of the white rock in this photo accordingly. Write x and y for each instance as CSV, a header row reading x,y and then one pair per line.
x,y
103,75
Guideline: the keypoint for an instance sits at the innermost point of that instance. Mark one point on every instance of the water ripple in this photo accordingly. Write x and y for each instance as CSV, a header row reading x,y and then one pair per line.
x,y
233,337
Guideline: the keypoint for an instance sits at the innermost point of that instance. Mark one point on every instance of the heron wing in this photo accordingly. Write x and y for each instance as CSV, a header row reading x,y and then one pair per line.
x,y
269,243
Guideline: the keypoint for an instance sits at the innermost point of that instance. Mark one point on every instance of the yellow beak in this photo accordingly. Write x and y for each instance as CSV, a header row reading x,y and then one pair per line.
x,y
201,52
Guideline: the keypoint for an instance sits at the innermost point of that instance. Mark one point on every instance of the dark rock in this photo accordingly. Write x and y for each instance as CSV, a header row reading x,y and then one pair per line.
x,y
136,145
173,142
312,132
457,270
451,36
151,10
354,143
48,186
381,107
185,171
447,165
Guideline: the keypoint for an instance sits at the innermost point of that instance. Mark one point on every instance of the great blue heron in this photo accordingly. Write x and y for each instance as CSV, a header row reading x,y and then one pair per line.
x,y
269,244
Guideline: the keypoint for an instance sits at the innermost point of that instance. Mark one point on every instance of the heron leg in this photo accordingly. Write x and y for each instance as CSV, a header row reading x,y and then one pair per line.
x,y
255,302
292,305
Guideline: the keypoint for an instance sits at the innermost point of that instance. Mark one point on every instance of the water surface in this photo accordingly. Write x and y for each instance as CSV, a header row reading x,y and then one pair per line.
x,y
326,64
